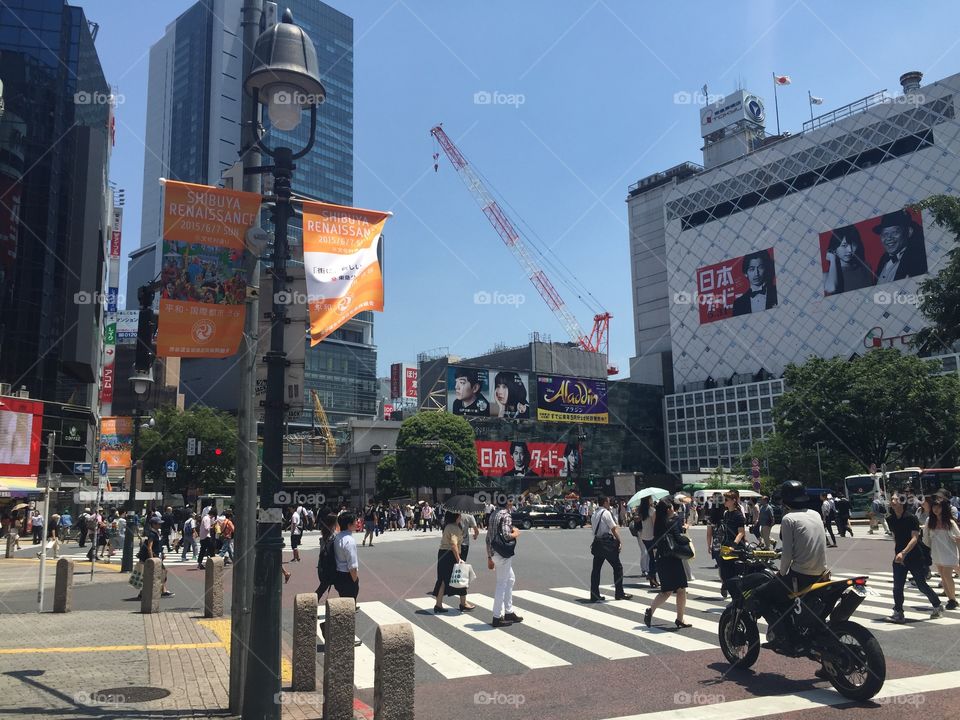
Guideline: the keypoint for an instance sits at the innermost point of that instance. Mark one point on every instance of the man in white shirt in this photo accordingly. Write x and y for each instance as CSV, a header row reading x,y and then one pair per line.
x,y
468,523
606,550
347,581
206,536
296,532
828,514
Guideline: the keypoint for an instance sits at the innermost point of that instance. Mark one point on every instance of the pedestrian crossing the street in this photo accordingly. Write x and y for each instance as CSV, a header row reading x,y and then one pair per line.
x,y
559,629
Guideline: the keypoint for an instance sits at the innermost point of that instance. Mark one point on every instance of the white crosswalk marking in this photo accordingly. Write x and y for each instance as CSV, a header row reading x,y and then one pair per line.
x,y
435,653
562,631
615,622
523,652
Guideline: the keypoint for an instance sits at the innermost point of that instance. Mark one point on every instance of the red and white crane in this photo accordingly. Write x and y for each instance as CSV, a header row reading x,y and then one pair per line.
x,y
598,341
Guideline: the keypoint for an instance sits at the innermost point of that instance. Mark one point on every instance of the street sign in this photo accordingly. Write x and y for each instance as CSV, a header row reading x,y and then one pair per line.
x,y
82,468
191,447
103,467
103,482
756,462
448,459
171,466
755,472
171,473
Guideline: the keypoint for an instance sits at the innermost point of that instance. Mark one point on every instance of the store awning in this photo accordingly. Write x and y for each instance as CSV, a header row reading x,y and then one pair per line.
x,y
19,486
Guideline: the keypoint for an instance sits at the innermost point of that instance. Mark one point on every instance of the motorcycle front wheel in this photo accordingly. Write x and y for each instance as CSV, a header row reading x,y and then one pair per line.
x,y
860,670
739,639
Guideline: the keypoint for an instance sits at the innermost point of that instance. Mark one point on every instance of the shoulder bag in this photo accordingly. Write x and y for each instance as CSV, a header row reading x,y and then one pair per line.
x,y
502,546
678,546
603,545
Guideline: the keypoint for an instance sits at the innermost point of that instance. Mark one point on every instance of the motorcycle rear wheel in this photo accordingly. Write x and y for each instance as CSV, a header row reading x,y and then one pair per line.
x,y
739,641
860,672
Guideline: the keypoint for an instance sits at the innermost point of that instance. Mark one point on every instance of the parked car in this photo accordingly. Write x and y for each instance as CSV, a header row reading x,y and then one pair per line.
x,y
545,516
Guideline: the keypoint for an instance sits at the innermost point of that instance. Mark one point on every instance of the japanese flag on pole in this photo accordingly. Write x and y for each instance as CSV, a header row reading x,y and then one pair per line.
x,y
781,79
340,258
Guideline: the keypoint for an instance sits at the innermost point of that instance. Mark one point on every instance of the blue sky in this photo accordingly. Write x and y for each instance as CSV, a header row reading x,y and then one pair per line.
x,y
593,110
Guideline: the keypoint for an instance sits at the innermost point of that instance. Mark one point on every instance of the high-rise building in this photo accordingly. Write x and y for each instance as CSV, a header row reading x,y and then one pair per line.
x,y
55,206
781,248
193,135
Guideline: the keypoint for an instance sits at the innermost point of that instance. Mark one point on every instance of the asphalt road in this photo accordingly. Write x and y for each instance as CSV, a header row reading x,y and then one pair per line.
x,y
575,660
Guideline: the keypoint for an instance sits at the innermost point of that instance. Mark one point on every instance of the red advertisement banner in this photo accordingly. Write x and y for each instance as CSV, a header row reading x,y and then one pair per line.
x,y
735,287
20,425
497,458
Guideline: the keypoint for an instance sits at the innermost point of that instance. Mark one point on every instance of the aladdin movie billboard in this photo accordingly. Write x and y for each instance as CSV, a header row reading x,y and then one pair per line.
x,y
872,252
569,399
738,286
485,392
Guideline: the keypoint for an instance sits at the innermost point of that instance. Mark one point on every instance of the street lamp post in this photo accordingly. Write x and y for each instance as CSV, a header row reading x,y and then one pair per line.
x,y
818,443
285,77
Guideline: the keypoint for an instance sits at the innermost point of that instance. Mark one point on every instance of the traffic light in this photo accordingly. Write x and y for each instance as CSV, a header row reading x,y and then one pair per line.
x,y
145,355
218,452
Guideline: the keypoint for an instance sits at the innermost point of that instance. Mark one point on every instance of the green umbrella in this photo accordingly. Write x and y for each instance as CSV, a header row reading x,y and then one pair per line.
x,y
654,493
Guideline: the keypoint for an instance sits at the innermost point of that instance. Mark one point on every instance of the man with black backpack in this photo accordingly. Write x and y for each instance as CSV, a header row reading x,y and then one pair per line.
x,y
501,546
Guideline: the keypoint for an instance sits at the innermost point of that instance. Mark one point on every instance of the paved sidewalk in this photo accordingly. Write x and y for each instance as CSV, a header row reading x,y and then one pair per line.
x,y
121,664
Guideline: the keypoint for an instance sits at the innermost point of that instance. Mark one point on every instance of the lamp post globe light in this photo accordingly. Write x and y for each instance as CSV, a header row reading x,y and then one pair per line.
x,y
285,78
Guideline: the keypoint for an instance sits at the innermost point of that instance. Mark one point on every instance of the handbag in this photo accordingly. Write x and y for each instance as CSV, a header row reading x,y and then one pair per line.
x,y
460,577
502,546
679,547
605,544
136,577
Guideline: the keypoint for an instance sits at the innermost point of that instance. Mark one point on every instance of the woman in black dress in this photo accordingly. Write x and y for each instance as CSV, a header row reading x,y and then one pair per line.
x,y
673,577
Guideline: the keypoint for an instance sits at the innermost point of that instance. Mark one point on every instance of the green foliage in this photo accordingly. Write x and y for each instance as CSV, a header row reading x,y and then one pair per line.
x,y
168,441
388,480
782,459
873,409
941,293
423,441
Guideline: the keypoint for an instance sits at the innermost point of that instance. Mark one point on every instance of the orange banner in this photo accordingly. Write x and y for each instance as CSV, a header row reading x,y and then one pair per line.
x,y
202,284
340,247
116,441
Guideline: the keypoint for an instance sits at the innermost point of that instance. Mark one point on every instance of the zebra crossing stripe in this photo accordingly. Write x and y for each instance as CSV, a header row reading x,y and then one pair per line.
x,y
525,653
433,652
615,622
709,626
363,658
606,649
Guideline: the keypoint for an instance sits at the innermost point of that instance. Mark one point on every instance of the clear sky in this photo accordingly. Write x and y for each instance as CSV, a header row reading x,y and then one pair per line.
x,y
586,107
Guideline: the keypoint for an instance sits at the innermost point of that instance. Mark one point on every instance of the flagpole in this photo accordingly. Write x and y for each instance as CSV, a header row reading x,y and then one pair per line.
x,y
776,103
810,103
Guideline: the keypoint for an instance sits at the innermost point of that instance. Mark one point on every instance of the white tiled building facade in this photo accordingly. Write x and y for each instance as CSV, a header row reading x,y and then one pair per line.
x,y
863,165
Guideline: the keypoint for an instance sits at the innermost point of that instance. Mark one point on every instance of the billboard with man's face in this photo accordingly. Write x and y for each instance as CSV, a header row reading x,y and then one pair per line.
x,y
873,252
738,286
487,392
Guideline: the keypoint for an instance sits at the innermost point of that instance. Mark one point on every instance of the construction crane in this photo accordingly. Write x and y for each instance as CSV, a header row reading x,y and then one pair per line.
x,y
321,416
598,341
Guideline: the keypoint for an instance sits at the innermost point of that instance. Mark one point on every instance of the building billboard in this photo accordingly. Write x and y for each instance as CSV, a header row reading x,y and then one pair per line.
x,y
570,399
735,287
403,382
116,441
20,425
731,109
873,252
409,382
487,392
504,459
127,323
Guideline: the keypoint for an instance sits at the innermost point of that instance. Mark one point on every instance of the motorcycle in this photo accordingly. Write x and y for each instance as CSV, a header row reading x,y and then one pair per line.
x,y
815,624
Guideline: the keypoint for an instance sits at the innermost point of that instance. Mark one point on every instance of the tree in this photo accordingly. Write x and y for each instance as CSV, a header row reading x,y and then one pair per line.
x,y
207,471
941,293
389,485
422,443
782,458
869,409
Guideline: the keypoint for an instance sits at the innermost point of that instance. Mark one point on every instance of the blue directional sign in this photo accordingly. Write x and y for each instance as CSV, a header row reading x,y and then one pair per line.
x,y
103,467
448,459
171,466
82,468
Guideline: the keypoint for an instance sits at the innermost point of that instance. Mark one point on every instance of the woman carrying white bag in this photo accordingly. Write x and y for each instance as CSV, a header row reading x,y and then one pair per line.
x,y
447,558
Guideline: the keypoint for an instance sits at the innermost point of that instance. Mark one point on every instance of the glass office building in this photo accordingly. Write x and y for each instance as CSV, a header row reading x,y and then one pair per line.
x,y
193,134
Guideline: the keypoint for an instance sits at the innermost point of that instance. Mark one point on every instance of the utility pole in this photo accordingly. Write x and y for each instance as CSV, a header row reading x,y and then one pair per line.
x,y
241,599
46,519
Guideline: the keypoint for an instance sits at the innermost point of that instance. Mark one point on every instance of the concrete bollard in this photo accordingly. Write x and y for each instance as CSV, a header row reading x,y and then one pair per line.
x,y
152,584
63,590
213,588
304,642
338,658
394,679
11,541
